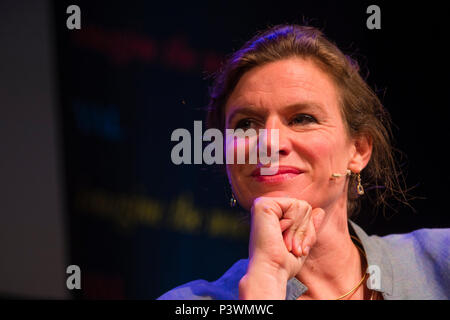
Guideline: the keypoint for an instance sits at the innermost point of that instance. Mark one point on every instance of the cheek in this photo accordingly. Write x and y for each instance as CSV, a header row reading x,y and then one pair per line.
x,y
324,154
232,174
241,150
318,149
320,153
237,150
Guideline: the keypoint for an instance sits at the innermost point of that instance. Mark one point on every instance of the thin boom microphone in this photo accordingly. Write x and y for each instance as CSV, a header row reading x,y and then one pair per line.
x,y
338,175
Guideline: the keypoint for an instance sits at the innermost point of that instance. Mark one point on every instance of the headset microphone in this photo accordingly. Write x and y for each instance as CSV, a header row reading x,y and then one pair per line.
x,y
338,175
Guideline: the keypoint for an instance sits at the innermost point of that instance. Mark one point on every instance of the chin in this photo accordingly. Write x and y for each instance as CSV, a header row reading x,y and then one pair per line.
x,y
289,191
281,190
277,193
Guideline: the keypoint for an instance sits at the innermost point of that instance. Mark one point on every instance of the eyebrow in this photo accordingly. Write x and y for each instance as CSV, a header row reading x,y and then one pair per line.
x,y
247,110
252,110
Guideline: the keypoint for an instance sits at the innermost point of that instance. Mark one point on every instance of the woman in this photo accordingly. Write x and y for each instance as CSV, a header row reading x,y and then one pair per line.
x,y
333,136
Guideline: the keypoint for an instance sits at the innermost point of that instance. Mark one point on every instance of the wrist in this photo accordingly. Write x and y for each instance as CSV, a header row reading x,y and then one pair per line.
x,y
263,281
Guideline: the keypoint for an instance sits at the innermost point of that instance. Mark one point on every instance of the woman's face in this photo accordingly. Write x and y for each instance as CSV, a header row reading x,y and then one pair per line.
x,y
301,101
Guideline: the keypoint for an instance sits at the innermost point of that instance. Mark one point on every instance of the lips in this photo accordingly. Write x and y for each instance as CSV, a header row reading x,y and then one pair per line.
x,y
281,170
283,173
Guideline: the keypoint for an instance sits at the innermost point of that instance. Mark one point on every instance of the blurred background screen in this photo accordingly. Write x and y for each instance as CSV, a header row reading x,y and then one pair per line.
x,y
87,116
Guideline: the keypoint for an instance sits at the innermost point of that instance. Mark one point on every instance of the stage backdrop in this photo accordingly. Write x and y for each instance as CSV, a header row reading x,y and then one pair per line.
x,y
136,71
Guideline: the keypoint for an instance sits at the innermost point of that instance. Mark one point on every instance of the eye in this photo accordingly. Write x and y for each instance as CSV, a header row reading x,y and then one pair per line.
x,y
245,124
302,119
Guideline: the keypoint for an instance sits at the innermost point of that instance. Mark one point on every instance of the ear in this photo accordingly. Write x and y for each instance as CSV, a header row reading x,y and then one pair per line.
x,y
361,152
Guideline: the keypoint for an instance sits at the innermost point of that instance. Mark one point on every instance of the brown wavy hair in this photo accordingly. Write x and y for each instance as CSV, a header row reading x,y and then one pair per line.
x,y
362,111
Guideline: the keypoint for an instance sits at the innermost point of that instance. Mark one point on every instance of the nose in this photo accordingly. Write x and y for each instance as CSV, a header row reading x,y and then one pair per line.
x,y
283,146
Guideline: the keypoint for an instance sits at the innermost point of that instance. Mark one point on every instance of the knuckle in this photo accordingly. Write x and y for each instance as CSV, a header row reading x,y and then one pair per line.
x,y
296,206
262,204
299,233
303,204
258,202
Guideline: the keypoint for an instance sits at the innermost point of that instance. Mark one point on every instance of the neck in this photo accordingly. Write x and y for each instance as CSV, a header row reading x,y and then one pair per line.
x,y
334,265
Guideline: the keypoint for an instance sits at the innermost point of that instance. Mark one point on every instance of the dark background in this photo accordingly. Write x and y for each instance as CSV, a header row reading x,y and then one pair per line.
x,y
138,225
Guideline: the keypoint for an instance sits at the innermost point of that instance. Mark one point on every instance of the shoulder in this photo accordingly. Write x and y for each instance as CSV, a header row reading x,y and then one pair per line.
x,y
420,262
224,288
432,242
424,245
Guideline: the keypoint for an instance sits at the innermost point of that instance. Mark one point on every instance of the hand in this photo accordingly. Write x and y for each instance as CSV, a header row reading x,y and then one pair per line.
x,y
282,232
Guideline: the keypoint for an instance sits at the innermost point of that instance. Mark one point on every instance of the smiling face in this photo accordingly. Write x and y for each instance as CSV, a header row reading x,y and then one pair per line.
x,y
301,101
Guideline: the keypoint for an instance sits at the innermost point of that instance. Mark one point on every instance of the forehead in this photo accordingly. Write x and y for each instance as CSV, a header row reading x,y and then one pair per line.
x,y
282,83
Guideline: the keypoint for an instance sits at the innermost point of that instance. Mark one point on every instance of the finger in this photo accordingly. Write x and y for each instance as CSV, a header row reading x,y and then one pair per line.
x,y
299,212
278,205
285,223
286,240
292,214
310,238
288,235
301,232
317,216
297,243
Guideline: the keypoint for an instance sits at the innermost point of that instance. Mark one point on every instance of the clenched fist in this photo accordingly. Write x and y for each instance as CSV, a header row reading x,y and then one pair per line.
x,y
282,232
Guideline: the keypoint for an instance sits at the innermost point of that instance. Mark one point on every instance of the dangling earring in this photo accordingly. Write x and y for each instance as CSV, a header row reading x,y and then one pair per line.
x,y
232,200
359,187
